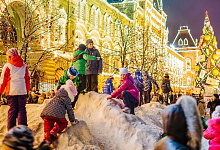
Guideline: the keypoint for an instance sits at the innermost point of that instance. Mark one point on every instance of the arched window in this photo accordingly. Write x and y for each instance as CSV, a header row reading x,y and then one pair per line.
x,y
92,15
185,41
108,25
116,28
105,22
98,17
180,42
188,63
77,9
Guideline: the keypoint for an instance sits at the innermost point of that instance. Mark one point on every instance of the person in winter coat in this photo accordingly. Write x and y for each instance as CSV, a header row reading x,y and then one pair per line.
x,y
15,79
70,73
215,101
201,107
94,67
212,133
166,88
108,87
55,110
182,125
139,84
147,83
127,91
79,62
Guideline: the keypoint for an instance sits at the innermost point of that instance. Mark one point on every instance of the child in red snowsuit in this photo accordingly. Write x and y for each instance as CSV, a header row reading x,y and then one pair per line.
x,y
55,110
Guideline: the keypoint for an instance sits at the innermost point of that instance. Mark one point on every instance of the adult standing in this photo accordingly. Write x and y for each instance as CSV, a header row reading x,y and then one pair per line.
x,y
147,83
215,102
166,87
79,62
94,68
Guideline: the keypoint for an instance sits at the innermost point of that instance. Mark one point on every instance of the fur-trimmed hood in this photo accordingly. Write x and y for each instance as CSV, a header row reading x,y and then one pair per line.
x,y
194,126
67,89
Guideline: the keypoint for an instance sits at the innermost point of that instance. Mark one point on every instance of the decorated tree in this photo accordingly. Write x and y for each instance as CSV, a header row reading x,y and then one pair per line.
x,y
208,66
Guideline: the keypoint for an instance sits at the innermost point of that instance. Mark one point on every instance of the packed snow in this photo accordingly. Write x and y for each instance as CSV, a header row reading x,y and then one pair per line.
x,y
102,125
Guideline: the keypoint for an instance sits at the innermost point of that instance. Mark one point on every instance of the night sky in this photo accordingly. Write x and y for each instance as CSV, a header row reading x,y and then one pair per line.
x,y
192,14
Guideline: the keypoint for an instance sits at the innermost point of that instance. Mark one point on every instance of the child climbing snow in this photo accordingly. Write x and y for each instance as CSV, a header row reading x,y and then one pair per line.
x,y
55,110
212,133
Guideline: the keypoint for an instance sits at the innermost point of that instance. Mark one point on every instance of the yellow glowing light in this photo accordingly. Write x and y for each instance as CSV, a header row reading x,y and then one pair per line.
x,y
215,72
215,56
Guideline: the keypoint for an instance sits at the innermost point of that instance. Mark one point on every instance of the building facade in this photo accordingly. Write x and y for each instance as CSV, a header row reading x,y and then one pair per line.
x,y
127,33
186,46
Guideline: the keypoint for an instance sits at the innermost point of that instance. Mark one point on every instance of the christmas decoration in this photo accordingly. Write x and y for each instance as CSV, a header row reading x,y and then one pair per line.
x,y
208,67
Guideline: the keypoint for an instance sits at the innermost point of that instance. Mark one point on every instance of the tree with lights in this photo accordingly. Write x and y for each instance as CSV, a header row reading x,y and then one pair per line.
x,y
208,66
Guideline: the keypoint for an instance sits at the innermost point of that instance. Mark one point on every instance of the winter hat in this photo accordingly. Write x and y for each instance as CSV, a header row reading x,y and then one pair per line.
x,y
20,138
123,71
72,87
166,75
82,47
193,121
72,71
89,41
12,52
137,72
145,73
216,96
111,77
216,113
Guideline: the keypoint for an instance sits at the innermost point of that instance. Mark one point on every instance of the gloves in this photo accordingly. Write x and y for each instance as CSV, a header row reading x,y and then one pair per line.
x,y
98,58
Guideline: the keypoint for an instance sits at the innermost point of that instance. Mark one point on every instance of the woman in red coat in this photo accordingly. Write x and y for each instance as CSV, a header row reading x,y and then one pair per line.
x,y
212,133
127,91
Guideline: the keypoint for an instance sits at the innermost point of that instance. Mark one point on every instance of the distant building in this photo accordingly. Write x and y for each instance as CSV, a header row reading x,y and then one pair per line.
x,y
186,46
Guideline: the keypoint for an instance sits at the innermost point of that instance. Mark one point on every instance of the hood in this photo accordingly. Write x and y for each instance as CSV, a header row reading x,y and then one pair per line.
x,y
16,61
108,81
69,93
165,79
174,123
194,125
145,73
137,73
78,52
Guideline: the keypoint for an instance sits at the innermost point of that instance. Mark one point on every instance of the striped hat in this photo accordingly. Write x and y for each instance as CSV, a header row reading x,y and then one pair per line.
x,y
12,52
72,71
20,138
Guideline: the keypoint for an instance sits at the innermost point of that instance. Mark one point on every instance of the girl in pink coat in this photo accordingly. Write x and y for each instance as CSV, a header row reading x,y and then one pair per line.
x,y
212,133
127,91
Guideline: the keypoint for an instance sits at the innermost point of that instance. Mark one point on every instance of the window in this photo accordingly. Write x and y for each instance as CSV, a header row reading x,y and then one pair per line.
x,y
92,16
98,17
180,42
185,41
188,63
105,22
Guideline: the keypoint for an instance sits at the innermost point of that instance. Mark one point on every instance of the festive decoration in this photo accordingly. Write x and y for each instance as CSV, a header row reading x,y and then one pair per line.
x,y
208,66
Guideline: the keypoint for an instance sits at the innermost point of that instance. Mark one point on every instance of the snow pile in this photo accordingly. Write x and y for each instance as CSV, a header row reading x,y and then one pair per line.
x,y
115,129
103,126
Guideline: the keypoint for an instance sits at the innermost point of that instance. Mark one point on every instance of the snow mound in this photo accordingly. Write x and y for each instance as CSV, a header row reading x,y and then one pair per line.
x,y
102,126
115,129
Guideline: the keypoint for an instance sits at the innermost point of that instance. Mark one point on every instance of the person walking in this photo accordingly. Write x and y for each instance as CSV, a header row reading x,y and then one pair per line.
x,y
166,88
139,84
94,67
147,83
15,79
79,62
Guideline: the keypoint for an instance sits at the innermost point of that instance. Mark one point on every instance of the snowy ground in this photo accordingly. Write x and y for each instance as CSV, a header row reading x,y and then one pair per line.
x,y
102,125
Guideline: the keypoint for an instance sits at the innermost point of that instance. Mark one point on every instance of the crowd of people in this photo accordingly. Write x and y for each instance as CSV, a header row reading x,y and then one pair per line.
x,y
182,121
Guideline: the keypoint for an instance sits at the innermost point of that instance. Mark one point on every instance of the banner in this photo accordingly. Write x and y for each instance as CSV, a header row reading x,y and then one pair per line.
x,y
212,81
202,73
201,58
